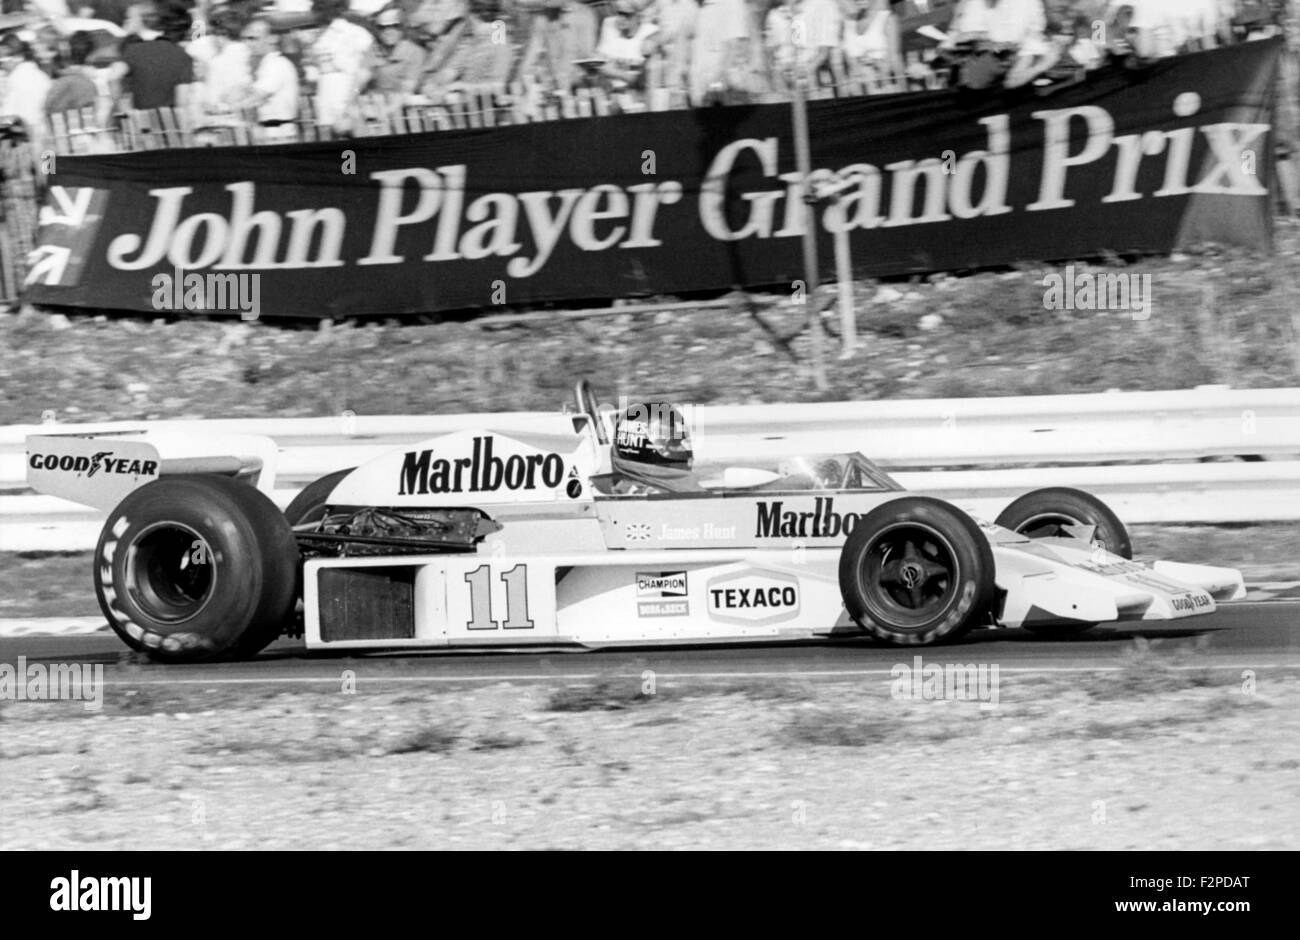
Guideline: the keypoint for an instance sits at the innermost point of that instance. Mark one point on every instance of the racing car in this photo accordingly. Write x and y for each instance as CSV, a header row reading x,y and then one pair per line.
x,y
563,531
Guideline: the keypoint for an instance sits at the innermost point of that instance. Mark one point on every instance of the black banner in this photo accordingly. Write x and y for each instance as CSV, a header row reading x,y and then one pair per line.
x,y
1140,160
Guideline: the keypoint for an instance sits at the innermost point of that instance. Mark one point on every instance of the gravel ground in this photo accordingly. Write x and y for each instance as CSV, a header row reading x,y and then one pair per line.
x,y
1148,757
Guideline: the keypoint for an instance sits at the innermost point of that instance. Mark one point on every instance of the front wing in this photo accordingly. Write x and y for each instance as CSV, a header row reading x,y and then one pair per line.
x,y
1068,580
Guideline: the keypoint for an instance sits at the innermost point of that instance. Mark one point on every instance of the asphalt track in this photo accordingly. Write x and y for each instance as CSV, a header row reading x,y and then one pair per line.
x,y
1242,635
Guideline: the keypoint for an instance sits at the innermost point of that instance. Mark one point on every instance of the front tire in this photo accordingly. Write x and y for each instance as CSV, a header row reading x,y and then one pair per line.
x,y
193,568
915,571
1045,513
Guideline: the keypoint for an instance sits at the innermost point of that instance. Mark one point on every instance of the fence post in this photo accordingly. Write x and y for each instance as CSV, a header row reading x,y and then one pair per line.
x,y
803,163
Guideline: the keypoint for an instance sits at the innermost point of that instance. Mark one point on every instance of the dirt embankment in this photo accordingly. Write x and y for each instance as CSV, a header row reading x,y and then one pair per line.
x,y
1215,316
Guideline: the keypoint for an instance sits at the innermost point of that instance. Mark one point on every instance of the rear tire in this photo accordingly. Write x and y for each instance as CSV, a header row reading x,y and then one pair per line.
x,y
915,571
1044,513
193,568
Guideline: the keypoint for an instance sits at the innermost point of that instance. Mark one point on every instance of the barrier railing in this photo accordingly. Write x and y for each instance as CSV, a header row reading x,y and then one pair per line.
x,y
980,453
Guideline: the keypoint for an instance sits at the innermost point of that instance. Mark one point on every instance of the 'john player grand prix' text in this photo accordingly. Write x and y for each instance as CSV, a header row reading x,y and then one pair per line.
x,y
435,207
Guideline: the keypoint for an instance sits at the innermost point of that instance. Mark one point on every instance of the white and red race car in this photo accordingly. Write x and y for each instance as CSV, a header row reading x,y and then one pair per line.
x,y
518,537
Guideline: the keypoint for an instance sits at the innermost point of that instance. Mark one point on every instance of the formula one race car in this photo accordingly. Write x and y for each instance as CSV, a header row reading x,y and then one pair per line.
x,y
559,533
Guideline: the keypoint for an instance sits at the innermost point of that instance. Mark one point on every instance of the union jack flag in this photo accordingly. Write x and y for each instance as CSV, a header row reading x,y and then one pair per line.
x,y
68,221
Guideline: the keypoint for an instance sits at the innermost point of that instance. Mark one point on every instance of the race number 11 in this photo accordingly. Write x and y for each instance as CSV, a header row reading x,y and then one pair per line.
x,y
480,599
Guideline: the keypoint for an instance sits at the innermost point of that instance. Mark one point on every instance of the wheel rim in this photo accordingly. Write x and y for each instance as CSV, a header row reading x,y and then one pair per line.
x,y
912,570
169,573
1048,525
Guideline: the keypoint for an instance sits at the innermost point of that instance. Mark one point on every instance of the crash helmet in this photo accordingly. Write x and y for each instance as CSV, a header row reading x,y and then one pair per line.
x,y
653,433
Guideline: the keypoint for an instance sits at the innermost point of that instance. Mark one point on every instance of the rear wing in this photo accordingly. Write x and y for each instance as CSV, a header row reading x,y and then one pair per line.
x,y
99,470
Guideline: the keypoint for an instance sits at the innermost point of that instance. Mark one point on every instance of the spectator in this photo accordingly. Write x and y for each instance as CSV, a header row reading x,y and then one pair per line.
x,y
1157,29
563,34
1248,20
430,17
75,88
441,23
1209,23
25,85
223,66
104,68
755,71
720,52
873,47
275,83
1074,50
1080,49
112,10
295,44
50,49
399,62
481,56
343,56
671,44
1005,22
154,66
807,35
625,40
1013,30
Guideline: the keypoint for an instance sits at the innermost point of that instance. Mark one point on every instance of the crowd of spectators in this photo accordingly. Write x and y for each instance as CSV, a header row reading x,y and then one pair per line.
x,y
256,59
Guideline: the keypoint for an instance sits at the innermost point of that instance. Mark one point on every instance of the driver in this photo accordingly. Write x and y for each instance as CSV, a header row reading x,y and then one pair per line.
x,y
652,451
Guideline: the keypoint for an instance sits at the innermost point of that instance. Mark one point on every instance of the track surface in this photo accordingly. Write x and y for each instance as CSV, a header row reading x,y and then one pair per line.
x,y
1241,635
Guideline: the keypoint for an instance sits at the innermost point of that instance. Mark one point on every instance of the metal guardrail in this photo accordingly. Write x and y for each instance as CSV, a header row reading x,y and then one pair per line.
x,y
923,441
